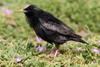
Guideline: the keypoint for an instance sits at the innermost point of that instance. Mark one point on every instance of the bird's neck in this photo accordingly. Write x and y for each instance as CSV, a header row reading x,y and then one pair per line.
x,y
32,20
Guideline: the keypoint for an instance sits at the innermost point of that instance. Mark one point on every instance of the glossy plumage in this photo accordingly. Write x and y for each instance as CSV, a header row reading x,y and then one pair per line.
x,y
50,28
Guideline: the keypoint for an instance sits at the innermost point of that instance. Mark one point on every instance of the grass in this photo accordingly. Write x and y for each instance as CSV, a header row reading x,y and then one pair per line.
x,y
70,55
17,39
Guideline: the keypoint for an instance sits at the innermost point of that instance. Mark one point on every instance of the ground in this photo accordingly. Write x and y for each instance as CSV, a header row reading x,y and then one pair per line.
x,y
19,46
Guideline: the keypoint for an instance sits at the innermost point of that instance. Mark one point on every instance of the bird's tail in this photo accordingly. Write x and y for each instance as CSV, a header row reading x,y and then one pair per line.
x,y
82,41
79,40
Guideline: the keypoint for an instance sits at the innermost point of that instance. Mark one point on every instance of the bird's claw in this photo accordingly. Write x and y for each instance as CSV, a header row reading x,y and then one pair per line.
x,y
53,54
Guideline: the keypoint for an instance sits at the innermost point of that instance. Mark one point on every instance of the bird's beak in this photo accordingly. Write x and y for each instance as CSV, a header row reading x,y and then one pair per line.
x,y
21,10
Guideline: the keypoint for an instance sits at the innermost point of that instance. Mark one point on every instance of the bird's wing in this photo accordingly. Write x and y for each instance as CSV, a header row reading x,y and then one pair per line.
x,y
53,24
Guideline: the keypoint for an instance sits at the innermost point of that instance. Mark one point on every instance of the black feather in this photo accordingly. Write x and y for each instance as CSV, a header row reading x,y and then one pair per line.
x,y
50,28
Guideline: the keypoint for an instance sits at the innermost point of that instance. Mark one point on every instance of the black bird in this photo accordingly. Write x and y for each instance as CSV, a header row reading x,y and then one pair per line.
x,y
49,28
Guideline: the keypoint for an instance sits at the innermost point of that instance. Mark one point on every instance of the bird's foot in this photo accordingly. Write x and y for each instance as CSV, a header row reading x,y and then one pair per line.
x,y
54,53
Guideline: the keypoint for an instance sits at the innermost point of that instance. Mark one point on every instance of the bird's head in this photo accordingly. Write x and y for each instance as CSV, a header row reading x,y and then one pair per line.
x,y
30,10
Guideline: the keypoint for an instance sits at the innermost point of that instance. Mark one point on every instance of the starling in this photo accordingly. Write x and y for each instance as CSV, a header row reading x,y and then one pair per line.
x,y
49,28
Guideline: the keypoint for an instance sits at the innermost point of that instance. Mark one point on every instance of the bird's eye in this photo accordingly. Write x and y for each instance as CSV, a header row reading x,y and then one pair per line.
x,y
28,10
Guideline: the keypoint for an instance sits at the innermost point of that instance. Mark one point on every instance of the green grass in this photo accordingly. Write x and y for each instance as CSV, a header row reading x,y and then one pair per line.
x,y
18,39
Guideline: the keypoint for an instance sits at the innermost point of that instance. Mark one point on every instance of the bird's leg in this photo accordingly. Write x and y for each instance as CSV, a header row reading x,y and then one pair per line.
x,y
55,51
